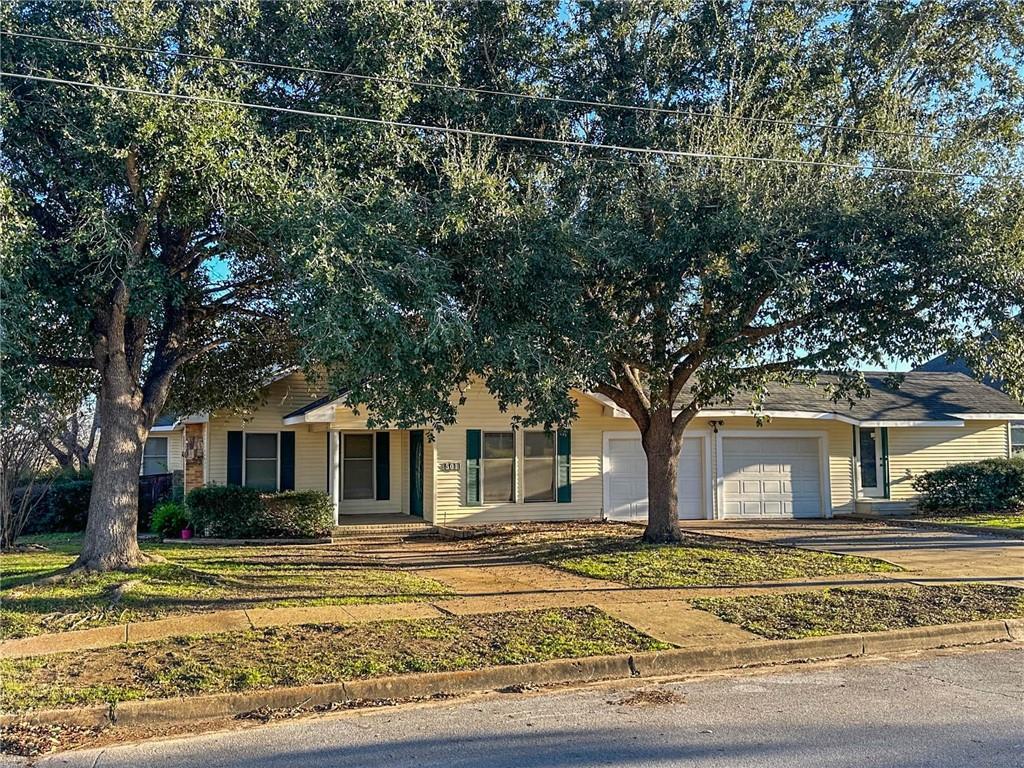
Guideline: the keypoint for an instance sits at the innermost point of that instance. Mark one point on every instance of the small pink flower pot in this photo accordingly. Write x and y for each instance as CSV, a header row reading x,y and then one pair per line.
x,y
186,534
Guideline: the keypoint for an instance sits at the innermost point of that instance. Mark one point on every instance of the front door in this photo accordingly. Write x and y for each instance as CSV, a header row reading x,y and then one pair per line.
x,y
869,461
416,472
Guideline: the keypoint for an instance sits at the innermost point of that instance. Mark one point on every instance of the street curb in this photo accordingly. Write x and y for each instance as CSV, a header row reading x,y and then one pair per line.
x,y
651,664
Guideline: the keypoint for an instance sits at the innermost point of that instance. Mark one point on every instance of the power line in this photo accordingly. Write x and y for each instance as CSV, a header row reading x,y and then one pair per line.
x,y
486,91
649,151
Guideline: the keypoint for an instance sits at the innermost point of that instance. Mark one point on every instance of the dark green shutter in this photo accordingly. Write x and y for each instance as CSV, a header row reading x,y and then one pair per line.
x,y
383,465
234,458
473,438
562,466
287,461
885,461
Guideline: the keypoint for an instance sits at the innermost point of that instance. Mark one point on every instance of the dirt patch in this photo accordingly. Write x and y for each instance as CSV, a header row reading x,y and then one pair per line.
x,y
649,697
300,655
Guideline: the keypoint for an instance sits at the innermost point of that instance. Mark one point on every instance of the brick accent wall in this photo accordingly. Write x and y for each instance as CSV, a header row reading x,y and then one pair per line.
x,y
194,449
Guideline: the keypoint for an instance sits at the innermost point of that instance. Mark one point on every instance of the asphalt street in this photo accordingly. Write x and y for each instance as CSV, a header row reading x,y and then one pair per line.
x,y
948,709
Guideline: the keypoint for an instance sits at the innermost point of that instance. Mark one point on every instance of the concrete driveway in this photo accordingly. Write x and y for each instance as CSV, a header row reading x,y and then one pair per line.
x,y
929,556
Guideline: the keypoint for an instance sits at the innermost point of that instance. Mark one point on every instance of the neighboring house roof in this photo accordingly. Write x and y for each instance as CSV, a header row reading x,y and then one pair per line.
x,y
942,364
165,421
920,396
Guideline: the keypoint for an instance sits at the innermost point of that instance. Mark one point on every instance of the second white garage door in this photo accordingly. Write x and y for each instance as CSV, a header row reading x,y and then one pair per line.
x,y
771,477
626,478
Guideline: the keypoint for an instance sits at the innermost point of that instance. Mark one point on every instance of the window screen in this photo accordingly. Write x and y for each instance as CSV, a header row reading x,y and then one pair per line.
x,y
499,462
261,461
539,466
358,467
154,456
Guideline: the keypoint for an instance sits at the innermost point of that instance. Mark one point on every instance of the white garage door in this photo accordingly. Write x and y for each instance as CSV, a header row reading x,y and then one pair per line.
x,y
771,477
626,479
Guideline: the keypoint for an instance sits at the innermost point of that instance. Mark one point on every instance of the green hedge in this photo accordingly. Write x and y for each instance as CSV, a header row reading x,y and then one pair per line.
x,y
233,512
981,487
64,510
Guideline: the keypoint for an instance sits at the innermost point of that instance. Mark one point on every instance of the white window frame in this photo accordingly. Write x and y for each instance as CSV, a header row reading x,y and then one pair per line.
x,y
515,470
876,491
277,457
1016,449
167,455
554,467
373,465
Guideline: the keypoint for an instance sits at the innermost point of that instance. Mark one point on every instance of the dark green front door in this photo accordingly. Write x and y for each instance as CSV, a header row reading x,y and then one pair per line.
x,y
416,472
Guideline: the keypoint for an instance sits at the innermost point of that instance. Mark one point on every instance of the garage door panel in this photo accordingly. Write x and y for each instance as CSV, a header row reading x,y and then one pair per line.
x,y
626,479
771,477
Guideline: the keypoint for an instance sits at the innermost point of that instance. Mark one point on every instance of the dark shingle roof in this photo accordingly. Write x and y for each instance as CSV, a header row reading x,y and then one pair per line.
x,y
921,396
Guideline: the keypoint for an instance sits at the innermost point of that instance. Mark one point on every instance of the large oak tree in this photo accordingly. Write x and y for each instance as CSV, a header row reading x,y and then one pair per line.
x,y
148,258
668,284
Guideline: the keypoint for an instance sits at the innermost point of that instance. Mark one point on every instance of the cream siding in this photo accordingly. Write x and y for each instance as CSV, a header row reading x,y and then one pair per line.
x,y
280,398
915,450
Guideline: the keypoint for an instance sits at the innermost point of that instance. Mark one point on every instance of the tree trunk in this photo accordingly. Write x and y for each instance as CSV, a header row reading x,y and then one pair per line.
x,y
662,449
111,541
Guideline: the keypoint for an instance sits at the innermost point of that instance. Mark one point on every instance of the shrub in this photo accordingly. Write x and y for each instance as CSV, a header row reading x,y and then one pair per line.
x,y
225,511
299,514
65,509
988,486
169,519
233,512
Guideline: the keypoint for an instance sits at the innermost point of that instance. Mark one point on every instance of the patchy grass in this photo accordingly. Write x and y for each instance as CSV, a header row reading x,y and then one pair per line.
x,y
284,656
615,552
1007,522
839,611
194,578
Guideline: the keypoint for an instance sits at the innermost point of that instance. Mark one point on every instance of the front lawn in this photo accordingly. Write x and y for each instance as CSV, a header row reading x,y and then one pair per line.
x,y
839,611
615,552
286,656
194,579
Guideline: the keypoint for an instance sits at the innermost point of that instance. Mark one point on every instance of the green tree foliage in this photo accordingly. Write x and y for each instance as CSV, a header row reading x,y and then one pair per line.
x,y
145,253
668,284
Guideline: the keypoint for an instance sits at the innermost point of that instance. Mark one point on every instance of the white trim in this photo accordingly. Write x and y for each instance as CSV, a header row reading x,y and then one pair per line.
x,y
989,416
707,492
910,423
333,462
277,453
775,414
824,479
175,427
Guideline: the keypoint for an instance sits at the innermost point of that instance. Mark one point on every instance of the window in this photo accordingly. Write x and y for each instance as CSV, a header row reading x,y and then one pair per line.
x,y
357,469
1016,439
261,461
154,456
499,461
539,466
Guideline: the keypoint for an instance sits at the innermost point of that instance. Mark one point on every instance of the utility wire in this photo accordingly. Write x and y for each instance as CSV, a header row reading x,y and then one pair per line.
x,y
486,91
649,151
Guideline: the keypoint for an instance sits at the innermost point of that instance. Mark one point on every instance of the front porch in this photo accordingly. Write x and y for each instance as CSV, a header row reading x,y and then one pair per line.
x,y
382,523
379,478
